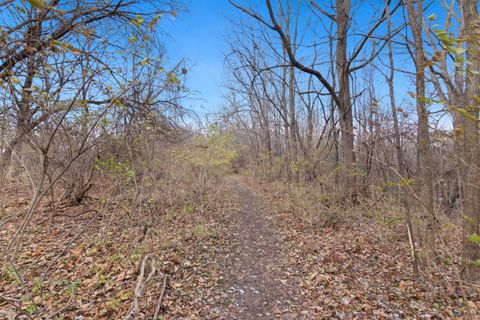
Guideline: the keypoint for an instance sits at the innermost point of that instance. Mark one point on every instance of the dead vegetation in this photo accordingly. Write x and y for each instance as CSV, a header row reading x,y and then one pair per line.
x,y
358,261
101,260
354,144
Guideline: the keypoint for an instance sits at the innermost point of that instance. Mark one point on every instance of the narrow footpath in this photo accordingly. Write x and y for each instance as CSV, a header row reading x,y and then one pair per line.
x,y
258,282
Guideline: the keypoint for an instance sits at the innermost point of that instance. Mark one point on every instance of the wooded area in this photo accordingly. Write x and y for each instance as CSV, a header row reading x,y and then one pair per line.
x,y
341,174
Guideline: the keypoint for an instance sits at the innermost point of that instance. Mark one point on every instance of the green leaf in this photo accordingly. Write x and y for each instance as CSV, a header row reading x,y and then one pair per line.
x,y
20,9
139,21
476,263
459,50
475,238
36,3
406,182
432,17
426,100
464,113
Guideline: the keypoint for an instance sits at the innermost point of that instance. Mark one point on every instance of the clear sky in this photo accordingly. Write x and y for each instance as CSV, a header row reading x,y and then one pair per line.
x,y
199,37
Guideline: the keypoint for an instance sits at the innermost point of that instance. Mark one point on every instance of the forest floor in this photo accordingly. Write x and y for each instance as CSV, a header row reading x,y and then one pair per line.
x,y
259,281
248,254
282,265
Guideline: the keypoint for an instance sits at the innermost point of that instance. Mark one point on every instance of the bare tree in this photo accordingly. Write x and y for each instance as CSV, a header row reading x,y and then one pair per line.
x,y
344,66
424,162
33,36
471,250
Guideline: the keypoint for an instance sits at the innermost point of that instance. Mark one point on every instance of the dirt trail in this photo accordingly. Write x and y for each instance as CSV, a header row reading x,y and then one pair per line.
x,y
258,281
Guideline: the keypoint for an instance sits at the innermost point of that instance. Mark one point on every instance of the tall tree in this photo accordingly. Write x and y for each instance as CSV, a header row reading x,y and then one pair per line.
x,y
424,162
402,170
471,202
345,66
31,36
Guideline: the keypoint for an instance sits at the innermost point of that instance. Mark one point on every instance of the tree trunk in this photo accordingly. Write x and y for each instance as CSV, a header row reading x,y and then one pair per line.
x,y
293,126
398,148
345,107
471,201
424,160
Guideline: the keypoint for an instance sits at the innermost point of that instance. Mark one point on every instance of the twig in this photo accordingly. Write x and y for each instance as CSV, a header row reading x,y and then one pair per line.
x,y
62,309
68,215
410,241
159,303
13,216
134,307
16,306
70,243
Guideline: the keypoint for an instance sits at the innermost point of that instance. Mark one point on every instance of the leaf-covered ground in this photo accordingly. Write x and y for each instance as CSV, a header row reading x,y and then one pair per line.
x,y
87,265
246,253
359,266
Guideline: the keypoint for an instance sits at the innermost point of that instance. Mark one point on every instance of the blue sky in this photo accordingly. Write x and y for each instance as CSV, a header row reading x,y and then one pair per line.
x,y
199,37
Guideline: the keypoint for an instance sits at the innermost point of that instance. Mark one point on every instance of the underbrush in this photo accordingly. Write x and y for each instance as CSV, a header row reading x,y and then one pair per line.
x,y
145,229
357,260
89,263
